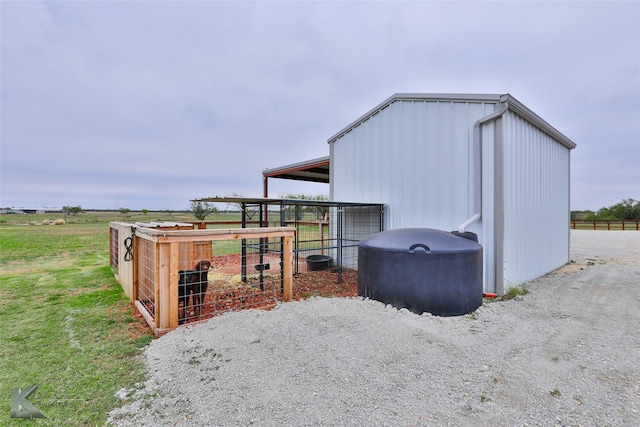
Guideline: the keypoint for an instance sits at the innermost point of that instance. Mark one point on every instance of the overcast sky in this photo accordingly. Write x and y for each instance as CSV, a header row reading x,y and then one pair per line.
x,y
148,104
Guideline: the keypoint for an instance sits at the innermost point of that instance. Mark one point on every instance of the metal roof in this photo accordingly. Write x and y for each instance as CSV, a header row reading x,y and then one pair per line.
x,y
269,201
317,170
512,103
314,170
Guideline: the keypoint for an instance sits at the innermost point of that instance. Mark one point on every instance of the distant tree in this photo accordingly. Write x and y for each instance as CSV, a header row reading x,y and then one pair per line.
x,y
583,215
234,205
249,212
125,211
72,210
200,210
322,212
628,209
298,211
144,212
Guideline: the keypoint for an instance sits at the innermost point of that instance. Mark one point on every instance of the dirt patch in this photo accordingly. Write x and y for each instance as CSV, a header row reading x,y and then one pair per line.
x,y
569,268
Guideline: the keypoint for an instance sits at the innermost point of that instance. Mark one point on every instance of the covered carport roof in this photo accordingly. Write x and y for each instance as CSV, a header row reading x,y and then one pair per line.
x,y
315,170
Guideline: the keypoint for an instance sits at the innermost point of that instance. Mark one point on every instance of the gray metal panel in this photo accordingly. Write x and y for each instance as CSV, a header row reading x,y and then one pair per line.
x,y
416,157
514,105
534,119
414,153
486,227
435,97
536,201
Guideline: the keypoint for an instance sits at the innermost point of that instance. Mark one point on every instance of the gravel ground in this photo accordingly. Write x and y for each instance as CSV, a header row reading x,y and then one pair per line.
x,y
566,353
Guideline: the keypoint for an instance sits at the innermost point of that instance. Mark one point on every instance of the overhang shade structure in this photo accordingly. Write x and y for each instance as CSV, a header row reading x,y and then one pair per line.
x,y
315,170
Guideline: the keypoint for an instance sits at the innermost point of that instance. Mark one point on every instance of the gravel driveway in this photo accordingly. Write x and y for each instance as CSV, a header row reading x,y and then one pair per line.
x,y
566,353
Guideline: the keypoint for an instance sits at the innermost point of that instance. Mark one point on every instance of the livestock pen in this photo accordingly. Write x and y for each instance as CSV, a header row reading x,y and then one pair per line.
x,y
279,250
325,230
246,268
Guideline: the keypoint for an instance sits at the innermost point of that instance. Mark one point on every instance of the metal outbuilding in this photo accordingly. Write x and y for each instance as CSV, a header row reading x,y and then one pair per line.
x,y
480,163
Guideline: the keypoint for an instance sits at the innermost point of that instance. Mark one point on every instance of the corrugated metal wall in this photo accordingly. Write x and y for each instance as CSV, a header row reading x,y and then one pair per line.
x,y
486,227
536,201
415,156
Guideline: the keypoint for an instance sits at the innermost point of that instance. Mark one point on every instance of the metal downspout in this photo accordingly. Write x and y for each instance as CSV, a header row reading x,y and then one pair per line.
x,y
477,165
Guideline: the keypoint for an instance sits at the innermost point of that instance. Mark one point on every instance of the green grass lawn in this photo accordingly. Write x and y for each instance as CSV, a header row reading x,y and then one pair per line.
x,y
65,324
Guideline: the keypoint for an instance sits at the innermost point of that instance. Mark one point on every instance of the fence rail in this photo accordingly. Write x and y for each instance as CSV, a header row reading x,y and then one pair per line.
x,y
163,270
605,224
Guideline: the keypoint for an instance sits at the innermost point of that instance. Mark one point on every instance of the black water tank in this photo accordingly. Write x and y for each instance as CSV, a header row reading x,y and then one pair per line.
x,y
421,269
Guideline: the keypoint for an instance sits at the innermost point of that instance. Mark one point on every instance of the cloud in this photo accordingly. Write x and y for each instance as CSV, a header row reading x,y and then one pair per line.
x,y
153,103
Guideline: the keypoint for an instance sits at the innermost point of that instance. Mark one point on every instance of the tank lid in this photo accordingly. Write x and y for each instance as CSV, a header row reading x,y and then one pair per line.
x,y
427,240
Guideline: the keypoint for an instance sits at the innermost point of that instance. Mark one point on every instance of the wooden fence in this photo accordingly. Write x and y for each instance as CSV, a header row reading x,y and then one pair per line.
x,y
155,256
605,224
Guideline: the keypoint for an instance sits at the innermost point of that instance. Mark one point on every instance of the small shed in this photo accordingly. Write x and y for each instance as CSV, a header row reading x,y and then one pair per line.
x,y
480,163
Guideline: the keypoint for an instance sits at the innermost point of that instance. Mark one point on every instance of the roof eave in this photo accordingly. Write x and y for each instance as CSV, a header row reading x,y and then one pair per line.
x,y
414,97
309,170
514,105
275,201
519,108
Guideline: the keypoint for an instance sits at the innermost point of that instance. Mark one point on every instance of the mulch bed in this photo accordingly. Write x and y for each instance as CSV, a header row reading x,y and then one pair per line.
x,y
305,285
225,294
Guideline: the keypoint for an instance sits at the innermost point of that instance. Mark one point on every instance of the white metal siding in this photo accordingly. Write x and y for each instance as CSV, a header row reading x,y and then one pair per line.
x,y
536,202
485,228
415,156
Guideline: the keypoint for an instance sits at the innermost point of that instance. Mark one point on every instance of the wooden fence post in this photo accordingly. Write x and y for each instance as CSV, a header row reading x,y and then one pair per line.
x,y
173,284
135,241
163,315
287,268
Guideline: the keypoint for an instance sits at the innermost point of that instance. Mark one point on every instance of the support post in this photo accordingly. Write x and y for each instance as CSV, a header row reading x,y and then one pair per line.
x,y
287,268
163,287
339,212
134,274
156,286
261,253
243,246
174,260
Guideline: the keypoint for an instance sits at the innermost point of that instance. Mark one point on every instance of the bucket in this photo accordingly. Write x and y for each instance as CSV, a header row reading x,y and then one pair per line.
x,y
318,262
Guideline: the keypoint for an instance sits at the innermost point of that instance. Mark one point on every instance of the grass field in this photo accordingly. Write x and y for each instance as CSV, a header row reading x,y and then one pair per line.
x,y
94,217
65,324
